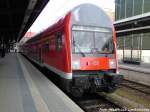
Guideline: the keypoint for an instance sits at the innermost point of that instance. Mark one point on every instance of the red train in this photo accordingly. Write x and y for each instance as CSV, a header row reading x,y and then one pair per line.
x,y
81,49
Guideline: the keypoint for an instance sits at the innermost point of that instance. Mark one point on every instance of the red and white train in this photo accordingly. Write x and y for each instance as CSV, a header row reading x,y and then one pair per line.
x,y
81,49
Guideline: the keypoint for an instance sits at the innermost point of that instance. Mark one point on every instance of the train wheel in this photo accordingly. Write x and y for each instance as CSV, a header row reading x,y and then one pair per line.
x,y
77,92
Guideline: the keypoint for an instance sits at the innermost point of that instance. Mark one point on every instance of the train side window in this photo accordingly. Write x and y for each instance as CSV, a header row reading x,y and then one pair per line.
x,y
58,41
46,46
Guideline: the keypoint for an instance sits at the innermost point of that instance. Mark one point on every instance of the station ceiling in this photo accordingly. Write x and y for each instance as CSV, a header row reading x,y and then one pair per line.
x,y
16,16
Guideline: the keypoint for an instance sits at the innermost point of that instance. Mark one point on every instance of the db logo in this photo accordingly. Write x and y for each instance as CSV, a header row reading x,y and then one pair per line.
x,y
95,63
90,63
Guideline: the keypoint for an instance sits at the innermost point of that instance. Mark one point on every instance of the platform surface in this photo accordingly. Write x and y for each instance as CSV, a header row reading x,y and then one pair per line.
x,y
145,68
136,73
24,89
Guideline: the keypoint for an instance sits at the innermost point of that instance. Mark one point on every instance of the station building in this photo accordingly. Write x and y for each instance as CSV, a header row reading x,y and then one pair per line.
x,y
132,23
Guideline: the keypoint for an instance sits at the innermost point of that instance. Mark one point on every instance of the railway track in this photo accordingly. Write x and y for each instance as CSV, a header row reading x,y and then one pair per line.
x,y
136,86
97,103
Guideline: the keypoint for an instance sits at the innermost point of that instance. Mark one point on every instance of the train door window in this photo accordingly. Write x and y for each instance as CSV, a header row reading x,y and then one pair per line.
x,y
58,41
46,46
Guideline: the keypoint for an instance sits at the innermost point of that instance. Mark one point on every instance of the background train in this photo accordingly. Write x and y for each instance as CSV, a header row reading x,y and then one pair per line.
x,y
81,49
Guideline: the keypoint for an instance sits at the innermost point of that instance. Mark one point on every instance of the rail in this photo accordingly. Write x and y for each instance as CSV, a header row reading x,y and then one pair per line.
x,y
137,86
97,103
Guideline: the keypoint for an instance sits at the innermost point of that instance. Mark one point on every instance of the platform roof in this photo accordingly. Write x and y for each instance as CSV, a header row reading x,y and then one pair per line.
x,y
135,24
16,16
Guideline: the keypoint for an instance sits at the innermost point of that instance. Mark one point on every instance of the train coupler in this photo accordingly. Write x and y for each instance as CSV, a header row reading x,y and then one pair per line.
x,y
96,84
112,81
113,78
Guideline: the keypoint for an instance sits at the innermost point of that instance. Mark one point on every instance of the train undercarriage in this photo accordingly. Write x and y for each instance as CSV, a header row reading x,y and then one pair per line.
x,y
92,82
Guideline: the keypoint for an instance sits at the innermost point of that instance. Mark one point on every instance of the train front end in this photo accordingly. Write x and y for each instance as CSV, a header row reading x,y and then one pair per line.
x,y
93,51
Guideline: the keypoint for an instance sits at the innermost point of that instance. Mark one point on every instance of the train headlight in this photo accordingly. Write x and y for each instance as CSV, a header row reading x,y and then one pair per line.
x,y
76,64
112,63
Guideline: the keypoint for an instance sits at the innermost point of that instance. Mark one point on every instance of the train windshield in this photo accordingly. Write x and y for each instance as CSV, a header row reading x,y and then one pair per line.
x,y
92,40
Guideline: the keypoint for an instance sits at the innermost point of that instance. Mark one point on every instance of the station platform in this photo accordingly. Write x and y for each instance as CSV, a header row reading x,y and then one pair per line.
x,y
141,68
137,73
24,89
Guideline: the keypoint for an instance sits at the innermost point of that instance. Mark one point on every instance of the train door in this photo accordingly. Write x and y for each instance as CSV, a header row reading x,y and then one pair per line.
x,y
40,54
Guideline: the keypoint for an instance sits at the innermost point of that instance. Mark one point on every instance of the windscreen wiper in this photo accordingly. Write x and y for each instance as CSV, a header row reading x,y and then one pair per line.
x,y
74,43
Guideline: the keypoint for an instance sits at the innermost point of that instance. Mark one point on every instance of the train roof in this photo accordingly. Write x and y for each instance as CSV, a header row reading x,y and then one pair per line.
x,y
104,19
